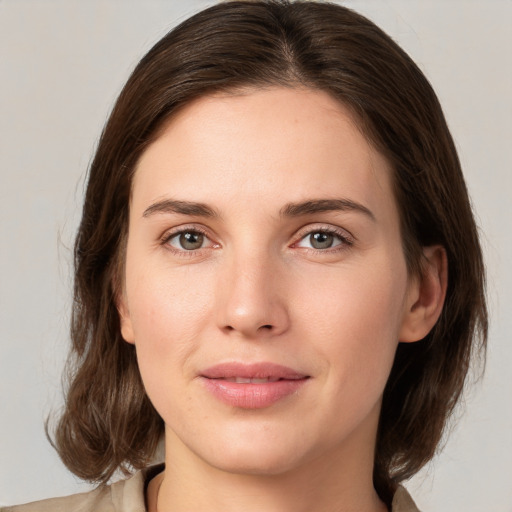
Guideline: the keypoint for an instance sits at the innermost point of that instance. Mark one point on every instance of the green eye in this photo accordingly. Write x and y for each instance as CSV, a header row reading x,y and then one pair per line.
x,y
187,240
321,240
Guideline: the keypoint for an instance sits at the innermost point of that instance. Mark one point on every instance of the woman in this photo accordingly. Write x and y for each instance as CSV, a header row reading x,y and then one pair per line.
x,y
277,268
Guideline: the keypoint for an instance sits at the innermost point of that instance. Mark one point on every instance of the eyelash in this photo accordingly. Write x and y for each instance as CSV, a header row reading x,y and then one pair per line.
x,y
168,236
346,240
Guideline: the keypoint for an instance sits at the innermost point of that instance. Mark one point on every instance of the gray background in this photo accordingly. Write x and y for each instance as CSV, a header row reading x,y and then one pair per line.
x,y
62,64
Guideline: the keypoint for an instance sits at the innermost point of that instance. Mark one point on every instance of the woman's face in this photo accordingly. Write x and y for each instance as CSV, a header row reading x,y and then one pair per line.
x,y
265,287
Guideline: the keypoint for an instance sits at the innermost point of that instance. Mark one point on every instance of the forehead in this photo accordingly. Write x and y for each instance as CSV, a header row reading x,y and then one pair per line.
x,y
280,143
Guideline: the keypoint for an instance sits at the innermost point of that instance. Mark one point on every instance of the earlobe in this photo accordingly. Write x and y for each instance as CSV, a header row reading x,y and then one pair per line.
x,y
125,320
426,297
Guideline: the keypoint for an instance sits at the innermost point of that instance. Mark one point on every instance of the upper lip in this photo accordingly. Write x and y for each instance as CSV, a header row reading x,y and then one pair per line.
x,y
262,370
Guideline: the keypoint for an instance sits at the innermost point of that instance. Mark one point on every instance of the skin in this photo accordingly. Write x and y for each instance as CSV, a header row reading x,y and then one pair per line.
x,y
259,288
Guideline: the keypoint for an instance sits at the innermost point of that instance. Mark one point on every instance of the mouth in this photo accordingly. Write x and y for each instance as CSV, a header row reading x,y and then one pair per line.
x,y
244,380
252,386
266,372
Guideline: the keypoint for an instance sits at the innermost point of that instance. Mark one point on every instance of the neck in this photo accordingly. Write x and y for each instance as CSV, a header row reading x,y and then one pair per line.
x,y
340,481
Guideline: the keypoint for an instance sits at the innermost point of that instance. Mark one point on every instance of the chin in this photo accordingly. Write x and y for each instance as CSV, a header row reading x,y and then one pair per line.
x,y
253,455
259,464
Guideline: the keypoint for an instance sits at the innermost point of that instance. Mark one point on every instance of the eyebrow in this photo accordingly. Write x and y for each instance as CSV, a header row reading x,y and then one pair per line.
x,y
290,210
325,205
180,207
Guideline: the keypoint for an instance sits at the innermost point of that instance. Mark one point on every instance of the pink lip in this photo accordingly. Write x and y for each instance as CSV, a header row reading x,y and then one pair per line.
x,y
283,381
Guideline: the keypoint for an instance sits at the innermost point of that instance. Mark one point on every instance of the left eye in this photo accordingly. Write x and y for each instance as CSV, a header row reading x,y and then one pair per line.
x,y
188,240
320,240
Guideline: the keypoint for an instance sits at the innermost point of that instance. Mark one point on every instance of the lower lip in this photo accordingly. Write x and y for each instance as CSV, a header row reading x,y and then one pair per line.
x,y
252,396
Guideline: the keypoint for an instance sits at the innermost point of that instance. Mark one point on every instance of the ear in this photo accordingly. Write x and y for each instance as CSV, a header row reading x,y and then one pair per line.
x,y
124,319
426,295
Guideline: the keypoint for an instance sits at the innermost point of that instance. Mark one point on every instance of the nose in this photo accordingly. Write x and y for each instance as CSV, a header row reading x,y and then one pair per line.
x,y
250,298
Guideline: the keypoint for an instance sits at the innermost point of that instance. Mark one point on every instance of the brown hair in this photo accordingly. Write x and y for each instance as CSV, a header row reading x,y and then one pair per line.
x,y
108,422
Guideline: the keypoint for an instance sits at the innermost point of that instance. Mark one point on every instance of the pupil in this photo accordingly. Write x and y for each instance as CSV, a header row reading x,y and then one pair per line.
x,y
321,240
191,241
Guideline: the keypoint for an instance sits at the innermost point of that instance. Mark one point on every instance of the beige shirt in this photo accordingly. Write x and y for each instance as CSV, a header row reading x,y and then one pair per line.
x,y
128,496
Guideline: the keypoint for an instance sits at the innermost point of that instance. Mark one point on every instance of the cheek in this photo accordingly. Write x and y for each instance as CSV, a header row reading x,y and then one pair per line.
x,y
165,329
168,310
354,318
164,301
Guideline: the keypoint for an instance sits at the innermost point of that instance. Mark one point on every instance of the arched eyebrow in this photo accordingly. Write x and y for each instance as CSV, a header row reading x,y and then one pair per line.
x,y
290,210
180,207
324,205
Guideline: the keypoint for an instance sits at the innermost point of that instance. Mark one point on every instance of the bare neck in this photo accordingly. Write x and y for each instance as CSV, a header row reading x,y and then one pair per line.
x,y
333,482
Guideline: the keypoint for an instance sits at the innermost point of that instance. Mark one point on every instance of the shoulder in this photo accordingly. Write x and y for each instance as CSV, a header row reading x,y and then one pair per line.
x,y
128,496
123,496
402,501
98,500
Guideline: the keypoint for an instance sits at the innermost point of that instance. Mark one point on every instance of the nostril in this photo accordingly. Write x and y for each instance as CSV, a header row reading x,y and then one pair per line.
x,y
268,327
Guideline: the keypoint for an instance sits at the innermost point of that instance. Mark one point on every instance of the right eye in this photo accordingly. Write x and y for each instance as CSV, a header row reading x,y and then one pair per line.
x,y
188,240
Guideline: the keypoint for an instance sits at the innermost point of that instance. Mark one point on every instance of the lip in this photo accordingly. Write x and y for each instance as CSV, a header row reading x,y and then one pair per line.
x,y
282,382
